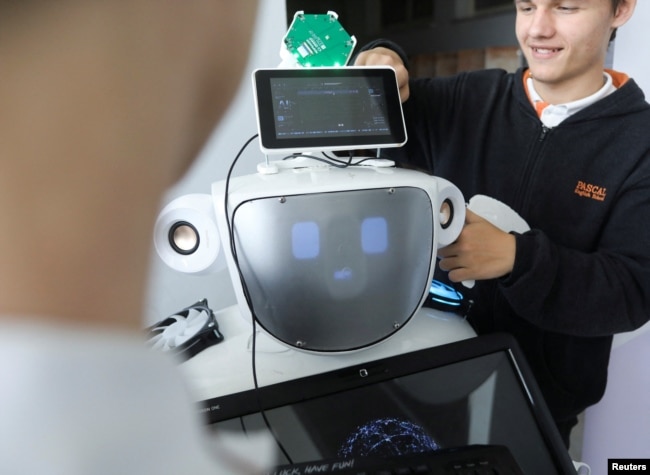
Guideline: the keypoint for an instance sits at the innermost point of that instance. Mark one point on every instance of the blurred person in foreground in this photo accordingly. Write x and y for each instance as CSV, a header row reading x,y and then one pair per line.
x,y
104,105
564,142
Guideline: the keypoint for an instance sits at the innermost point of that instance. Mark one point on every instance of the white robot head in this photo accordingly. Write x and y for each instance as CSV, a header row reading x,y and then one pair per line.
x,y
325,259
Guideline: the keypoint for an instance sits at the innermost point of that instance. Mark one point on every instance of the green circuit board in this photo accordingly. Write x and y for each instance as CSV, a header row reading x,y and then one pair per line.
x,y
319,40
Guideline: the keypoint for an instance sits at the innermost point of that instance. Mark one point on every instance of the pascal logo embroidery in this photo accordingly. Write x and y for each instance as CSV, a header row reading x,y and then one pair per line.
x,y
587,190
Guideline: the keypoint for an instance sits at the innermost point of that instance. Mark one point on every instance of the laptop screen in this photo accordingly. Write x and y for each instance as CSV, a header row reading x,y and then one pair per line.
x,y
472,392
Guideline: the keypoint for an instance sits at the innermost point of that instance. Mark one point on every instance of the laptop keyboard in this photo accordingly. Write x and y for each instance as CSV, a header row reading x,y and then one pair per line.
x,y
470,460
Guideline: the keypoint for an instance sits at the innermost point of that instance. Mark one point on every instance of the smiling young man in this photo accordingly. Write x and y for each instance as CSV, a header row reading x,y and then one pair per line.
x,y
565,143
564,43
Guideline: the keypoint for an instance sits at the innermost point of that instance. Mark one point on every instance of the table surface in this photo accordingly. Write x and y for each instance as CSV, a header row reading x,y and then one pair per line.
x,y
226,368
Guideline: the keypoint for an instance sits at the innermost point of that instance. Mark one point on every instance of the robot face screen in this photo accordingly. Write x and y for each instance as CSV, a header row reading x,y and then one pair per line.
x,y
335,271
373,238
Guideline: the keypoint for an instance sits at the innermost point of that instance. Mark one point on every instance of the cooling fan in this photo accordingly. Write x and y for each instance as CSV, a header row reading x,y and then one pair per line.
x,y
444,297
187,332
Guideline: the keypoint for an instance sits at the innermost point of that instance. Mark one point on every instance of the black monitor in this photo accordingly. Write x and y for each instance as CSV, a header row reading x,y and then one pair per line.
x,y
475,392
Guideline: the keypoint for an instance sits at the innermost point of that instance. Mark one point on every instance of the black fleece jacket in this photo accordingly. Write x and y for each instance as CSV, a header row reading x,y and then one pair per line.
x,y
583,271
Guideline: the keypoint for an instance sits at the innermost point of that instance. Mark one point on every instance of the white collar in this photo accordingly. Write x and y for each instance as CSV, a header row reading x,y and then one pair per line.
x,y
554,114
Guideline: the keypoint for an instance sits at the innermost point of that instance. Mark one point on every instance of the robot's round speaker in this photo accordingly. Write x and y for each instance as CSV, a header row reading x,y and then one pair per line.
x,y
186,236
451,214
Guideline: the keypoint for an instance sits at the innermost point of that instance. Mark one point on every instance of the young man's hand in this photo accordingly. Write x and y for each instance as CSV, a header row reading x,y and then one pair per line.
x,y
386,57
482,251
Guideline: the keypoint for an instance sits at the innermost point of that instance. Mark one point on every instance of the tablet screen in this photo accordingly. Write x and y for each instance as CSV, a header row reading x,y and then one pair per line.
x,y
320,109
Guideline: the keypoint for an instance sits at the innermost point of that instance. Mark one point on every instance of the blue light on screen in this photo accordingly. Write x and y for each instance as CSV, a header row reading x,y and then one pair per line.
x,y
305,240
344,274
374,235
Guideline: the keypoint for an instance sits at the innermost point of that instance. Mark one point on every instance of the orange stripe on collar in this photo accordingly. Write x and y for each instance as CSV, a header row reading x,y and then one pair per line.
x,y
618,78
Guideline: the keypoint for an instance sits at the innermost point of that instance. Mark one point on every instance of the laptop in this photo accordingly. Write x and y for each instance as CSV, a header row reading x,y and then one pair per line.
x,y
461,404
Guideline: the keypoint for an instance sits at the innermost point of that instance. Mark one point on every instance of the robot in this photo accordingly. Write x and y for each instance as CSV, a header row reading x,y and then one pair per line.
x,y
331,258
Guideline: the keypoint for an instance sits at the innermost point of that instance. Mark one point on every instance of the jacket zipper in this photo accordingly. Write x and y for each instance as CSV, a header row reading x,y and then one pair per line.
x,y
532,162
545,131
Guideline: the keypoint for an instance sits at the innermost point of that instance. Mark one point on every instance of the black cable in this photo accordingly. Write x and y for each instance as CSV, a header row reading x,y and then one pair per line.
x,y
330,161
249,302
243,426
259,402
334,161
346,164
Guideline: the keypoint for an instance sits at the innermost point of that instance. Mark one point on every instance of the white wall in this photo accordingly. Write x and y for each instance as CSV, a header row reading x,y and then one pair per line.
x,y
170,291
630,55
617,427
